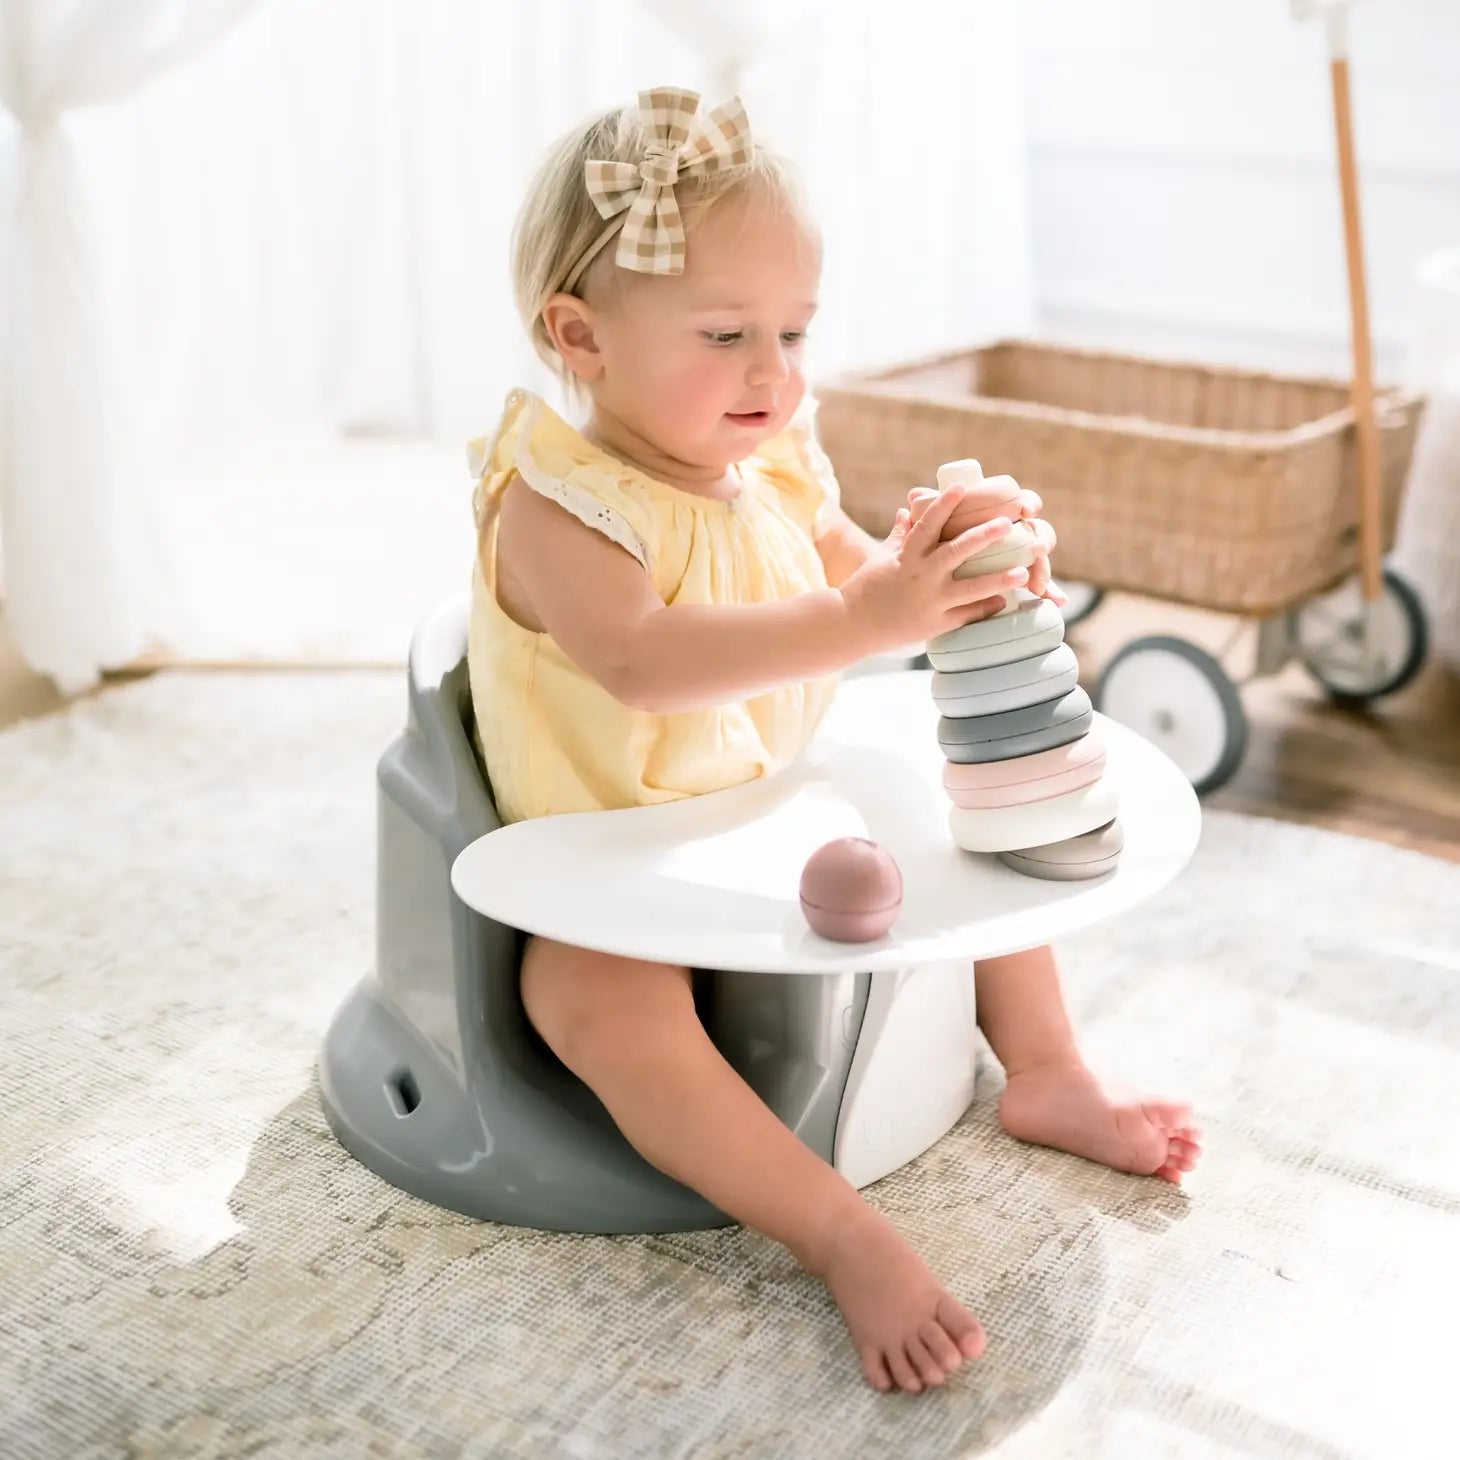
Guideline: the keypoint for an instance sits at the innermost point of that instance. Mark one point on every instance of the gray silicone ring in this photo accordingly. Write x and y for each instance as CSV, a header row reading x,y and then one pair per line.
x,y
1059,871
1017,732
1047,676
1081,857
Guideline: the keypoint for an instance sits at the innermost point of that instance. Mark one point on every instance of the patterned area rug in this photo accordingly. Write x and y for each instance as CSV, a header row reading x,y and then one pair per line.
x,y
190,1266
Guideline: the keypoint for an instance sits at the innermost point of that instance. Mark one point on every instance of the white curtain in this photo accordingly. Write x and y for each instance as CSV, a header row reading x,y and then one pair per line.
x,y
728,36
303,242
85,583
907,119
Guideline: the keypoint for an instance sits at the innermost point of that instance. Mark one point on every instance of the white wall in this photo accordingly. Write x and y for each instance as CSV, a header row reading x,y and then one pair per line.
x,y
1183,179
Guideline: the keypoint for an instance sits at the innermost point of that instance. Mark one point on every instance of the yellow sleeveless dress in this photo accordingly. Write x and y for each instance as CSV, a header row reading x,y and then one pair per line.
x,y
552,739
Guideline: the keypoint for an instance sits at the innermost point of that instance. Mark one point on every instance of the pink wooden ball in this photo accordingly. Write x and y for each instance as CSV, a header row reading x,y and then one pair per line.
x,y
851,891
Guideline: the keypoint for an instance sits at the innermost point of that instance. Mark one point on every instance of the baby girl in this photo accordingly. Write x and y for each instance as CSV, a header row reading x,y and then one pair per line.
x,y
663,599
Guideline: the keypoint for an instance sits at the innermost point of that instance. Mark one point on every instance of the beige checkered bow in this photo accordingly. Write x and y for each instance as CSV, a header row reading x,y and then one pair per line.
x,y
683,141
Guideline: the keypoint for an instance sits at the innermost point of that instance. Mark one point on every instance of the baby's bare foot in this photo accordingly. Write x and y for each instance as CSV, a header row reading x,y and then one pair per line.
x,y
1067,1107
908,1330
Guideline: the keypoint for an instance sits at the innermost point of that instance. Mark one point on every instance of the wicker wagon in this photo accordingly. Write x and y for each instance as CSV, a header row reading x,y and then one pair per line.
x,y
1226,489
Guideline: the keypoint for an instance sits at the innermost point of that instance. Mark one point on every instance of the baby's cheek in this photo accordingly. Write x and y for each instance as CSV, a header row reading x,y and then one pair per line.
x,y
700,389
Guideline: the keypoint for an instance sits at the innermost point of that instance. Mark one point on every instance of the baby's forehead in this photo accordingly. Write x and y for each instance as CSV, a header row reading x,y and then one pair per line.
x,y
738,262
738,223
729,297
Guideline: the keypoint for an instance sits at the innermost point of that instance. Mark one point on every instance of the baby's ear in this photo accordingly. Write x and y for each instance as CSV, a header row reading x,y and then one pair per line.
x,y
571,325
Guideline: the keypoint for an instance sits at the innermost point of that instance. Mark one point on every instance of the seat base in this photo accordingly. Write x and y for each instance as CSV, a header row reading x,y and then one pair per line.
x,y
914,1070
544,1154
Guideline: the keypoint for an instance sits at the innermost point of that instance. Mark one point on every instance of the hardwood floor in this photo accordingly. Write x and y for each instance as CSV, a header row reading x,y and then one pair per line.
x,y
1392,773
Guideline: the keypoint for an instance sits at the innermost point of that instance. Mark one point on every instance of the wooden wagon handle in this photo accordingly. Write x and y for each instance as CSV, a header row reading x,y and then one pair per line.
x,y
1371,548
1366,430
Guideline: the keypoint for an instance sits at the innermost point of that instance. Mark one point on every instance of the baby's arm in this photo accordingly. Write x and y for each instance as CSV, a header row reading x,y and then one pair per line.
x,y
601,607
844,547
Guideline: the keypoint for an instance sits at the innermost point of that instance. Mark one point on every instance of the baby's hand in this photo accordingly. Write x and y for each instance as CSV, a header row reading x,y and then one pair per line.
x,y
1030,506
908,593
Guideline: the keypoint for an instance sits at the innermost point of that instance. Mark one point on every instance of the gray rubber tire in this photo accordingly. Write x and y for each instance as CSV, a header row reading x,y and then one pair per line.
x,y
1324,627
1180,699
1084,600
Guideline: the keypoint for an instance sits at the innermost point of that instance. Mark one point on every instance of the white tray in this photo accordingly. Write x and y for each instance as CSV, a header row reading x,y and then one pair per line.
x,y
713,881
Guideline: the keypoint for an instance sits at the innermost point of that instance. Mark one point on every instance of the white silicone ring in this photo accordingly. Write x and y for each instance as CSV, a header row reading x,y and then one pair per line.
x,y
1016,549
1008,828
989,656
1001,628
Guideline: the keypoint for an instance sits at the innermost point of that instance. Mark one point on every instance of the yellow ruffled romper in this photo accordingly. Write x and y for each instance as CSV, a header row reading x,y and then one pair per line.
x,y
552,739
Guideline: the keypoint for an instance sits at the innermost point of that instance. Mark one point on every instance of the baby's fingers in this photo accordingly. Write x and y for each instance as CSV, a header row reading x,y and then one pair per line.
x,y
987,585
1039,575
959,549
899,529
919,499
972,613
928,527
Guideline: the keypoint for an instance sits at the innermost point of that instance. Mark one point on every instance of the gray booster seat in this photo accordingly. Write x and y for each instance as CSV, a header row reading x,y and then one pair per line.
x,y
431,1074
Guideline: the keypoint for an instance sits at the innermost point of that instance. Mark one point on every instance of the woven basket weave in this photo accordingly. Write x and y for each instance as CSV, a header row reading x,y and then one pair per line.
x,y
1228,489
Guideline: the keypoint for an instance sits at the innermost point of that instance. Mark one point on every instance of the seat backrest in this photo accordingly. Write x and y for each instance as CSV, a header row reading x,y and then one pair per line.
x,y
440,704
434,955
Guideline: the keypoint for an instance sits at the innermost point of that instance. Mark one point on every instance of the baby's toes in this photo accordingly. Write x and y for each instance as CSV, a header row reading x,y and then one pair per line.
x,y
1183,1154
902,1371
874,1366
940,1345
961,1326
930,1371
1181,1157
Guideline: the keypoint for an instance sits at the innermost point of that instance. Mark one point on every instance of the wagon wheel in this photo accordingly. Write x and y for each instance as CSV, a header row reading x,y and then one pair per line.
x,y
1329,633
1180,699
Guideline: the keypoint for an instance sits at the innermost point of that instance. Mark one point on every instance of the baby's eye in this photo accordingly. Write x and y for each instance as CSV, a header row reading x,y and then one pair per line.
x,y
722,337
792,337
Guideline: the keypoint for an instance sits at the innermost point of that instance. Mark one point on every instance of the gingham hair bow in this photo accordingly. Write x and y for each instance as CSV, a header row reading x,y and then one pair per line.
x,y
682,141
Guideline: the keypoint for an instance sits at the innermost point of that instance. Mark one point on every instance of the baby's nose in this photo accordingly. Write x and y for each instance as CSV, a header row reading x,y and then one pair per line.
x,y
769,364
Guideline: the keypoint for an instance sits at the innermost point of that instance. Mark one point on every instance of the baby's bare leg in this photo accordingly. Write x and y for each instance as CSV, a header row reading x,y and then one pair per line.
x,y
629,1031
1052,1097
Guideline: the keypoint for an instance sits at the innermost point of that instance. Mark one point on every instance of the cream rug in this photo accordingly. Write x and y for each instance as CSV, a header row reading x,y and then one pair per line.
x,y
190,1266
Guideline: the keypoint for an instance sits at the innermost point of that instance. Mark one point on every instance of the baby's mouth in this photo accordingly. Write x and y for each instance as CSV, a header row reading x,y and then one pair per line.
x,y
749,418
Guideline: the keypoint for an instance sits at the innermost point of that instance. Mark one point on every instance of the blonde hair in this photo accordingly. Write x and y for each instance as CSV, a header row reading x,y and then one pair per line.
x,y
559,223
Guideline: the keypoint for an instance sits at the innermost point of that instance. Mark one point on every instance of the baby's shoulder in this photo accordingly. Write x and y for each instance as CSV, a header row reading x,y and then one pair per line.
x,y
536,448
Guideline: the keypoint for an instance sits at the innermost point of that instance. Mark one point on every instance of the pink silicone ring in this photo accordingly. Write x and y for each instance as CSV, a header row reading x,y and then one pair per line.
x,y
977,508
982,776
1023,793
997,497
